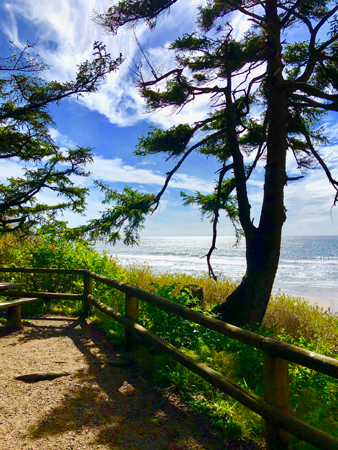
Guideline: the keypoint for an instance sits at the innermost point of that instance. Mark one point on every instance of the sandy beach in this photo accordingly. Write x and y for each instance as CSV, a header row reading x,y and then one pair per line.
x,y
324,303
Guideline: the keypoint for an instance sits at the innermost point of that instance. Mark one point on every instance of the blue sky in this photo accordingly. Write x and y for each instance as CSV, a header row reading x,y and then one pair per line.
x,y
111,120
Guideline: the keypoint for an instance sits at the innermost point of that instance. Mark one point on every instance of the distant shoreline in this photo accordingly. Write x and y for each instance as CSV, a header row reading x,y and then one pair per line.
x,y
308,266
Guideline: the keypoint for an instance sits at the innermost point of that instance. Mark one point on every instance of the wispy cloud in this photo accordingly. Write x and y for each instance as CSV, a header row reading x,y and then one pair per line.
x,y
9,26
10,168
241,24
65,34
115,171
309,205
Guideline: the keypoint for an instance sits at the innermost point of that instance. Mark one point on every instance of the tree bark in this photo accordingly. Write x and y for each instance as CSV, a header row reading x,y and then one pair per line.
x,y
248,302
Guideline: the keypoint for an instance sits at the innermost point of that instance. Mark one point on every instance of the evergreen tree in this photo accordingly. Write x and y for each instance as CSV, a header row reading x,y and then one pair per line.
x,y
292,84
25,137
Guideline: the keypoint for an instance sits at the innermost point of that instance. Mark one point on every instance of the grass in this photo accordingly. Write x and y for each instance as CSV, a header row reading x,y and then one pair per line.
x,y
295,317
143,276
314,396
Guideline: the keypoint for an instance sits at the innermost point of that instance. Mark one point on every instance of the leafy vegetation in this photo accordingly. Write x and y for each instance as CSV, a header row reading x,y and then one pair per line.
x,y
314,396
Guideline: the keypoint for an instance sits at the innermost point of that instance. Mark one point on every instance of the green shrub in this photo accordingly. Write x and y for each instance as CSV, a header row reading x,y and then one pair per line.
x,y
51,251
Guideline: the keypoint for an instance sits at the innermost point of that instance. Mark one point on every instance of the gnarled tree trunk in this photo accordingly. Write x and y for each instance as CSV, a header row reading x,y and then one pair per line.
x,y
249,301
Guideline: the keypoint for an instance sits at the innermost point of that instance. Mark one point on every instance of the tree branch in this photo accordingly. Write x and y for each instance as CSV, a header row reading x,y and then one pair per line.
x,y
312,50
310,90
178,165
289,13
322,163
245,11
307,102
119,14
215,220
242,194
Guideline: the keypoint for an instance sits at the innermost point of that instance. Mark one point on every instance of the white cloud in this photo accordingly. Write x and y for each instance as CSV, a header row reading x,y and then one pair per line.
x,y
184,181
9,26
241,24
331,130
330,154
308,201
62,141
309,205
73,33
65,34
257,183
10,168
114,171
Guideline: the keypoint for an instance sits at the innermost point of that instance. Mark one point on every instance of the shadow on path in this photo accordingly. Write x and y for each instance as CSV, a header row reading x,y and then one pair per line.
x,y
100,405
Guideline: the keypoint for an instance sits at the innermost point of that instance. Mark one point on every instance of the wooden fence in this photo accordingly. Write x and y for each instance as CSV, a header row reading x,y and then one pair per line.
x,y
274,409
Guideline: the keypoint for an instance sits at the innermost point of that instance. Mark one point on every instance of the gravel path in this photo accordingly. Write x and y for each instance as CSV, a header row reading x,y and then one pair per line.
x,y
74,395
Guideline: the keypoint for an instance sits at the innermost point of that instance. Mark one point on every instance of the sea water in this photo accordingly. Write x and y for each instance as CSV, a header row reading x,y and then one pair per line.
x,y
308,265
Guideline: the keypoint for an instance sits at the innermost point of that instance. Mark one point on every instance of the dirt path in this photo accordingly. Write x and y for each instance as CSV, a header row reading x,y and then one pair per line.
x,y
95,404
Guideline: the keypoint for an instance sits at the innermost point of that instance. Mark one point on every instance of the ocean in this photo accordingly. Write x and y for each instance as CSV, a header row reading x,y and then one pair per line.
x,y
308,265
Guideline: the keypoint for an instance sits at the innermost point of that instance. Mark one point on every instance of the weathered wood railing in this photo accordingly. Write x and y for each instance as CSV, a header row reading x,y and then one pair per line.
x,y
274,410
14,311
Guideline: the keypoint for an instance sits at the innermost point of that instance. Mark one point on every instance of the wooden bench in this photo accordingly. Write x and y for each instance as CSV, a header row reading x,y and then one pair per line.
x,y
14,311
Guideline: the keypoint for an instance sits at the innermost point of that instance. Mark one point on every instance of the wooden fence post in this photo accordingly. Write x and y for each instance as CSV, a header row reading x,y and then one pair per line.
x,y
87,290
131,311
14,317
277,383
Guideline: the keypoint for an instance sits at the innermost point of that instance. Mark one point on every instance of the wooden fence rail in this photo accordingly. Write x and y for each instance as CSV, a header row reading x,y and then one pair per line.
x,y
45,295
14,311
275,408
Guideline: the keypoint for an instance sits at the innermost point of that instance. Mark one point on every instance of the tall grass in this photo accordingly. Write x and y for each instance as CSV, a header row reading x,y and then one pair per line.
x,y
296,318
143,276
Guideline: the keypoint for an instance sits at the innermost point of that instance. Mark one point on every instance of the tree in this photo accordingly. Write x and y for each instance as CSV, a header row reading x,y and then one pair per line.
x,y
25,137
292,84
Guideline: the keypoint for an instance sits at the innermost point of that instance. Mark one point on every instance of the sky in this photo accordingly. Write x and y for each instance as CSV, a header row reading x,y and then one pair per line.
x,y
111,120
